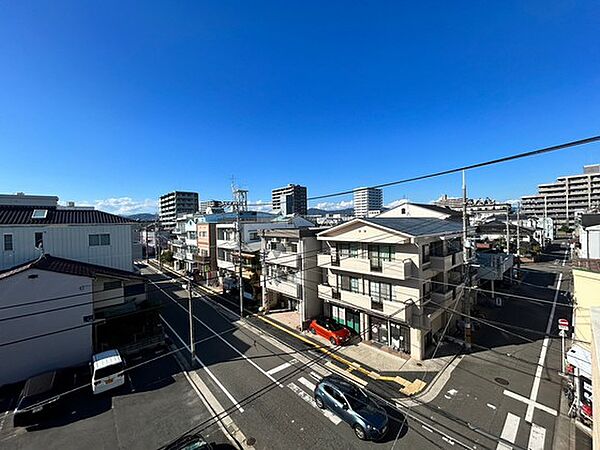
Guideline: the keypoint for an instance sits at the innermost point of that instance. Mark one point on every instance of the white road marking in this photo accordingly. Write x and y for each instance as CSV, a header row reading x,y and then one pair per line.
x,y
316,376
307,383
509,431
308,399
3,419
426,428
530,402
538,373
226,342
489,405
206,369
448,440
279,368
537,436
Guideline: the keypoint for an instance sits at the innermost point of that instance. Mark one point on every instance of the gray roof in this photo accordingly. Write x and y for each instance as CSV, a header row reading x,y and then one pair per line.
x,y
417,226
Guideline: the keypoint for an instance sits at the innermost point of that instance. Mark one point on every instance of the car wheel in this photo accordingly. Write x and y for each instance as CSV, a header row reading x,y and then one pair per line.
x,y
319,402
312,330
360,432
332,340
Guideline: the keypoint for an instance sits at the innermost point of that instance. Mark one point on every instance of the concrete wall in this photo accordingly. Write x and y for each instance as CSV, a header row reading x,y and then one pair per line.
x,y
71,242
586,288
24,359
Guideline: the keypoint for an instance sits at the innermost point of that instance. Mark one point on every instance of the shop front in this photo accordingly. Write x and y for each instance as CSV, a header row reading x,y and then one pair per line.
x,y
579,368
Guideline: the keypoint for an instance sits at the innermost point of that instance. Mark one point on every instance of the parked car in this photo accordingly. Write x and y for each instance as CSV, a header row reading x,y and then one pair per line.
x,y
354,406
42,394
330,330
107,371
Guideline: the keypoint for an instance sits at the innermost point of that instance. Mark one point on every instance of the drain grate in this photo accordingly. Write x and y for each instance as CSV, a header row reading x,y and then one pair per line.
x,y
250,441
502,381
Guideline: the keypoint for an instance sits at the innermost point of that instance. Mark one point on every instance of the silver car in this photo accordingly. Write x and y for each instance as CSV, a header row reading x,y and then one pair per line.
x,y
352,405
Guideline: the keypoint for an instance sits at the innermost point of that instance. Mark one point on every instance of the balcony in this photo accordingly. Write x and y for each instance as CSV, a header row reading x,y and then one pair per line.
x,y
285,287
227,265
399,270
399,310
281,258
441,296
177,243
445,263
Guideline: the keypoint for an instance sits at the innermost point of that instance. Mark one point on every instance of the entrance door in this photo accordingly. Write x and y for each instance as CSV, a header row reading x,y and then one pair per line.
x,y
400,335
353,320
379,331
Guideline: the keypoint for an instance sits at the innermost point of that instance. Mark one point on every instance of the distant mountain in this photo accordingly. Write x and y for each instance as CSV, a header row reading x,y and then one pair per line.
x,y
143,217
322,212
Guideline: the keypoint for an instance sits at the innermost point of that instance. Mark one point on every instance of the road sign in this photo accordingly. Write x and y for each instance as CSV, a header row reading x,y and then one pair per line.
x,y
563,324
562,333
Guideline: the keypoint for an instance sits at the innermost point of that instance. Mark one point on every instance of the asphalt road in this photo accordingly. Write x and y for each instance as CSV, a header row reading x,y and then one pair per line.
x,y
267,387
156,407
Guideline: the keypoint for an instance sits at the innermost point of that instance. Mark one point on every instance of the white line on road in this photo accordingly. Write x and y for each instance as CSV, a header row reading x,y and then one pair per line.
x,y
426,428
252,363
206,369
537,436
307,383
316,376
448,440
279,368
538,373
509,431
308,399
528,402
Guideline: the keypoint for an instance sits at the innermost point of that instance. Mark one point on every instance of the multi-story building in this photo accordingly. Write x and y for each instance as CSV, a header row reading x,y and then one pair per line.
x,y
211,206
290,275
290,199
175,204
185,244
566,198
367,201
394,280
34,225
477,208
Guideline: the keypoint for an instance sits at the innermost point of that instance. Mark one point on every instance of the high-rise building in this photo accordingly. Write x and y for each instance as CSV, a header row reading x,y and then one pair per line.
x,y
367,201
568,196
175,203
290,199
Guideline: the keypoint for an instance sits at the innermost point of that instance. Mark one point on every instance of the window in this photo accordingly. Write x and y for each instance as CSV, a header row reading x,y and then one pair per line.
x,y
39,240
110,285
8,242
253,236
354,285
99,239
425,253
39,214
348,250
380,291
134,289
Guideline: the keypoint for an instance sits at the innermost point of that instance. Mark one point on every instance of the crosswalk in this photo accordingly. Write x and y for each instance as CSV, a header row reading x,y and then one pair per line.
x,y
537,434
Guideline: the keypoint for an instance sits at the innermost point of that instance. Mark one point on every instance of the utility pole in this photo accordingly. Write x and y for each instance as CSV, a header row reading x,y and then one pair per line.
x,y
240,279
147,249
518,230
191,323
507,230
466,261
545,221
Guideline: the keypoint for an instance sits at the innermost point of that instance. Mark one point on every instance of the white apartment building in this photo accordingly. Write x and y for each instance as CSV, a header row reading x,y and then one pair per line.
x,y
185,244
367,201
290,275
290,199
567,197
175,204
34,225
393,279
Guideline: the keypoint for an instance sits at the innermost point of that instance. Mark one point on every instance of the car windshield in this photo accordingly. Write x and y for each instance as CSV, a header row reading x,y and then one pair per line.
x,y
334,326
357,398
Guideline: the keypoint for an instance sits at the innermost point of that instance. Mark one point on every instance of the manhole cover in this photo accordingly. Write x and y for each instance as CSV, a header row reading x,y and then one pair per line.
x,y
419,364
502,381
250,441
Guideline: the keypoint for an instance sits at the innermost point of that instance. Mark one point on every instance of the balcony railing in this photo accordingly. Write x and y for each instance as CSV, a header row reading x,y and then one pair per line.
x,y
399,269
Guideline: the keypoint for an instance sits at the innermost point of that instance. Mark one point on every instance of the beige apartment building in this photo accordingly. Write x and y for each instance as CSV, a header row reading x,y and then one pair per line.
x,y
393,279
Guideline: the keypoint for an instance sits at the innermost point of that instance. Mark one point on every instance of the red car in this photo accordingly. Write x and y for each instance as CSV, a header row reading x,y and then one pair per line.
x,y
330,330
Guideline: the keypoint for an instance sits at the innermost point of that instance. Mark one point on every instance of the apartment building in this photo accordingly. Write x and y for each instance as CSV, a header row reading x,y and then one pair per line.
x,y
211,206
175,204
34,225
393,279
564,199
477,208
290,275
367,201
290,199
185,244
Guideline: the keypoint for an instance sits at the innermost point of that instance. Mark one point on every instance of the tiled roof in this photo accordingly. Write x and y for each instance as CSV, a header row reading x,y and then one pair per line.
x,y
70,267
417,226
22,215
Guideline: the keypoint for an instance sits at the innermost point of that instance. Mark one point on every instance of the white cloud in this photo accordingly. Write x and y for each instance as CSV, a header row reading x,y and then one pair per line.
x,y
123,205
332,206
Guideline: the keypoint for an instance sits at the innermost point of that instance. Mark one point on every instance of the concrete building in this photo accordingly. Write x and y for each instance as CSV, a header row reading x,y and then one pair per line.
x,y
175,204
39,337
290,199
290,276
211,207
367,202
568,196
392,279
477,208
33,225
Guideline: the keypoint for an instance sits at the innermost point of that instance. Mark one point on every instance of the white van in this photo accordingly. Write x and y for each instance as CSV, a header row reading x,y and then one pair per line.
x,y
107,371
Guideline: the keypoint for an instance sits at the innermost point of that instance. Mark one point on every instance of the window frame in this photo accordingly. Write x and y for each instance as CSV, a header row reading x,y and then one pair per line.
x,y
38,239
5,242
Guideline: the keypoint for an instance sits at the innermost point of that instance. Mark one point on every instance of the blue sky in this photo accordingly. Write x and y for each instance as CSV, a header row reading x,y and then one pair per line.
x,y
114,103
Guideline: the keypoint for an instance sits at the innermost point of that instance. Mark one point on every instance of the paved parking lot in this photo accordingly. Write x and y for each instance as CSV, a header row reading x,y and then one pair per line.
x,y
157,407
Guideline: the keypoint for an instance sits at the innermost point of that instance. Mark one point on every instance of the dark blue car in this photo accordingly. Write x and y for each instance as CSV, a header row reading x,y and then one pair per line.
x,y
352,405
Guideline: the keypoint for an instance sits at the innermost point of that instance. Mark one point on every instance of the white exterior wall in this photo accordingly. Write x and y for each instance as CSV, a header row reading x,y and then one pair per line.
x,y
589,238
71,242
28,358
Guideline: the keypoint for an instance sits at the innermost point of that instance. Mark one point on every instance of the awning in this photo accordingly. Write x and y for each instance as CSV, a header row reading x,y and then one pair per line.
x,y
581,358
